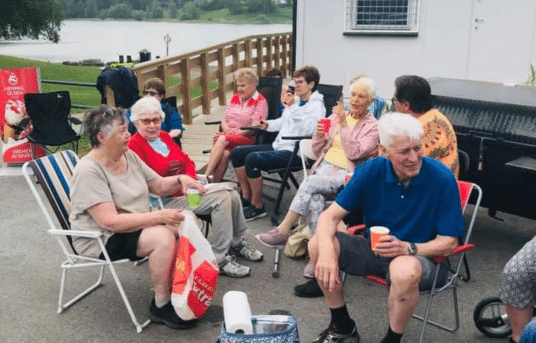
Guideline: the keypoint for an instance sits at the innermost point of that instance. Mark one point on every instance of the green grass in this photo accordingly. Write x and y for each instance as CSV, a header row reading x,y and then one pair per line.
x,y
55,71
283,16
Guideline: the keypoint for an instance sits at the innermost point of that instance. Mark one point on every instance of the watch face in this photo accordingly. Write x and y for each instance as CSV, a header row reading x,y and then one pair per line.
x,y
412,249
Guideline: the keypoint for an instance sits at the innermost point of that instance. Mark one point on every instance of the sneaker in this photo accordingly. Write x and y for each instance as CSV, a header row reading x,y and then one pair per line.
x,y
310,289
245,203
273,238
167,316
252,213
309,271
229,267
329,335
246,251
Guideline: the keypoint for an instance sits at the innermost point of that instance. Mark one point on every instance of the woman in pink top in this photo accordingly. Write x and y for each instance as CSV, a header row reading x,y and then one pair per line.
x,y
245,108
351,140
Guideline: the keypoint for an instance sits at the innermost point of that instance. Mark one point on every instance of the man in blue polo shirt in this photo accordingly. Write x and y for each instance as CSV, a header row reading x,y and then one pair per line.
x,y
415,197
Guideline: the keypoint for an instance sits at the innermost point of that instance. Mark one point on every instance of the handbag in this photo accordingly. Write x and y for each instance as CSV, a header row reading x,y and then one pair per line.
x,y
195,274
296,246
267,329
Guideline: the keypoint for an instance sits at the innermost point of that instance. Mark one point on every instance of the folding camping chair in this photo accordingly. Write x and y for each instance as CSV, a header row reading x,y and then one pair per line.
x,y
52,122
465,189
54,173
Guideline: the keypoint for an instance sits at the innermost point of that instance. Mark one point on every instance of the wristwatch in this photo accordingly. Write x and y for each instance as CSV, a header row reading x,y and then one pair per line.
x,y
412,249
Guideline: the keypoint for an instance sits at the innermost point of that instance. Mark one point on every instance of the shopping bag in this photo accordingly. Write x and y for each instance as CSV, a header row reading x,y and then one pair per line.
x,y
296,246
267,329
195,274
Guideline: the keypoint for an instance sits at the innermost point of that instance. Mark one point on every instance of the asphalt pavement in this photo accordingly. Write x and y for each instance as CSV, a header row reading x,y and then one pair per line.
x,y
31,278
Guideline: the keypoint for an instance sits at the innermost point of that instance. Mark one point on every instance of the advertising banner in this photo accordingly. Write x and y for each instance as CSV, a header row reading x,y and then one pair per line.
x,y
13,84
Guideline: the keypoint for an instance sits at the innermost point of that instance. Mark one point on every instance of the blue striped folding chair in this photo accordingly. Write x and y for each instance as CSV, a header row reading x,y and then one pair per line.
x,y
54,173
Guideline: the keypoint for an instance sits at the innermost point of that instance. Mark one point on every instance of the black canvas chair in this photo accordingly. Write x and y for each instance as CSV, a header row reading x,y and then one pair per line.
x,y
331,93
52,122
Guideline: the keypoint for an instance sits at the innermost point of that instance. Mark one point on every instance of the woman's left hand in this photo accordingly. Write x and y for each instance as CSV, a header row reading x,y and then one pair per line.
x,y
189,182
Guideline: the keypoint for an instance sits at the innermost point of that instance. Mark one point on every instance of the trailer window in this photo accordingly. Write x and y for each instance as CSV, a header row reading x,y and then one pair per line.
x,y
399,17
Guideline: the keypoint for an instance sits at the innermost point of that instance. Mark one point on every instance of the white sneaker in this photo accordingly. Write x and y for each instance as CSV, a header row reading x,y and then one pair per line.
x,y
246,251
229,267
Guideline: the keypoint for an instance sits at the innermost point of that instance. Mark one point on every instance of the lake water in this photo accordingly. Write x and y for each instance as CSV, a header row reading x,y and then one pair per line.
x,y
106,40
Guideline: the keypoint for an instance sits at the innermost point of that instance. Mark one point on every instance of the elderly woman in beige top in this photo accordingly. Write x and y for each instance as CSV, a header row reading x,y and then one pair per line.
x,y
109,193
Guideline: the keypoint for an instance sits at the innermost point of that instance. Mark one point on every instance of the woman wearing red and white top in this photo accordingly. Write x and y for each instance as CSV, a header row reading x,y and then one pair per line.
x,y
245,108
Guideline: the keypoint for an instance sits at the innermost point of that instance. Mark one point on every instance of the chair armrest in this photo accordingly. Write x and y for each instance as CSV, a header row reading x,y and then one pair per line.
x,y
356,230
376,279
213,122
87,234
252,128
460,249
299,138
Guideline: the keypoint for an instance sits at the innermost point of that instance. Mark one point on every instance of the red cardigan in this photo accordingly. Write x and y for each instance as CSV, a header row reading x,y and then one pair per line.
x,y
176,162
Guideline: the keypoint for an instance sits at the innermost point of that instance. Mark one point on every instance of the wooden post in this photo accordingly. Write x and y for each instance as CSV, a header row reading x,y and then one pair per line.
x,y
284,53
186,109
236,57
277,61
110,96
248,52
259,56
269,53
221,77
205,98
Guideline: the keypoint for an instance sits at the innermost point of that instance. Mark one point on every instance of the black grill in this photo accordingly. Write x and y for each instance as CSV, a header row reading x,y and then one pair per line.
x,y
496,126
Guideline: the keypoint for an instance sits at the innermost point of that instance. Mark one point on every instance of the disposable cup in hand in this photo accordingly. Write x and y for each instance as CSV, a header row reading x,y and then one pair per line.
x,y
327,124
194,197
348,177
376,232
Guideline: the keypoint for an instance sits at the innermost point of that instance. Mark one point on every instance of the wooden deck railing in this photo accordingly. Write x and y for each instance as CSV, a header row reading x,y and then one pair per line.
x,y
211,69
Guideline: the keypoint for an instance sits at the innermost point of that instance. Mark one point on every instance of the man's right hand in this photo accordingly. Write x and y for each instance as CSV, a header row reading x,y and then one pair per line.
x,y
172,217
327,269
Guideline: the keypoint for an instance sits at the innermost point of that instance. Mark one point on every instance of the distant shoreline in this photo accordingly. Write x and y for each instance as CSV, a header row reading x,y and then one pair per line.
x,y
199,21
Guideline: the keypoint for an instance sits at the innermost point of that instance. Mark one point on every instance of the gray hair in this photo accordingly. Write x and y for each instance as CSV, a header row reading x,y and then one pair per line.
x,y
396,124
368,83
101,119
146,105
248,73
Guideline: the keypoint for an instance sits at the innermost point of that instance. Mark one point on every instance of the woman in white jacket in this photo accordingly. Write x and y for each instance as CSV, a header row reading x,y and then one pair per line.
x,y
298,119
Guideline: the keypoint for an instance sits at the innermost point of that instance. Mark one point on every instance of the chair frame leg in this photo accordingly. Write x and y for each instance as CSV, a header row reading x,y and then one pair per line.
x,y
69,265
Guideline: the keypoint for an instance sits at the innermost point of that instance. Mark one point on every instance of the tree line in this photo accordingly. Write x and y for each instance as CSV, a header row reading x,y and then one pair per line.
x,y
158,9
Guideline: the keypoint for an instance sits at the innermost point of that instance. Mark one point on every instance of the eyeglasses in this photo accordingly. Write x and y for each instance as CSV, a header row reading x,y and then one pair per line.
x,y
147,121
393,100
151,93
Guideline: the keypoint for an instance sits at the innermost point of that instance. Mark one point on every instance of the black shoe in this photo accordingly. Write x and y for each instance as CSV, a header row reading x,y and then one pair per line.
x,y
245,203
331,336
169,317
252,213
310,289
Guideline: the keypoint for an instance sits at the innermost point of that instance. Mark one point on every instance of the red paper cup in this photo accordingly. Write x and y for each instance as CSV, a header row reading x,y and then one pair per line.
x,y
327,125
376,232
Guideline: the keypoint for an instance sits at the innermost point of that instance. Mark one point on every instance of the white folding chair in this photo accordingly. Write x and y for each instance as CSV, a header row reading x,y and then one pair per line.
x,y
54,173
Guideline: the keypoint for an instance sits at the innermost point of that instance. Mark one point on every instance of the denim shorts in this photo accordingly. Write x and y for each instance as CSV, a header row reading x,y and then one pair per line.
x,y
357,258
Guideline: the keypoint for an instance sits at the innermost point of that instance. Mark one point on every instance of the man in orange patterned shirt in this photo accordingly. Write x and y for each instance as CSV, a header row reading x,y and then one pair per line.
x,y
414,96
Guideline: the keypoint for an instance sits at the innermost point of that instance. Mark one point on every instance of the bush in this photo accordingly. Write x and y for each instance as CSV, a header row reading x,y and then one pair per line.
x,y
103,14
190,11
121,11
235,7
262,19
138,15
157,12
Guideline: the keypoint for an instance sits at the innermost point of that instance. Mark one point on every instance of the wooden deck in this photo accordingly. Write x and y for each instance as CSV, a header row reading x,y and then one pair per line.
x,y
198,136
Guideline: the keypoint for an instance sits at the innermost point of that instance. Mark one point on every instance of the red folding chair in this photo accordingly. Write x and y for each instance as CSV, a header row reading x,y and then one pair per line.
x,y
465,189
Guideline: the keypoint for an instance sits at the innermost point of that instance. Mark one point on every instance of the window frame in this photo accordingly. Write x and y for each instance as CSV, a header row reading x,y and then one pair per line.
x,y
411,29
